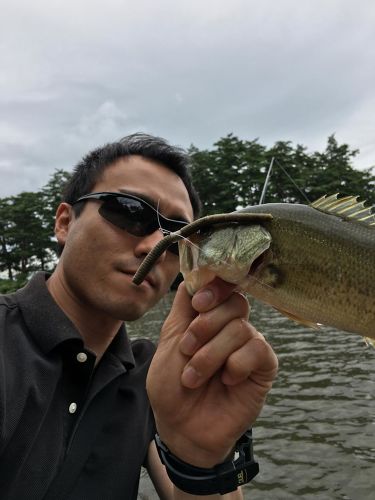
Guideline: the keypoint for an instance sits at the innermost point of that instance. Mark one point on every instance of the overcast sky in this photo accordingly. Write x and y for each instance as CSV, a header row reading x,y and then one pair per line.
x,y
76,74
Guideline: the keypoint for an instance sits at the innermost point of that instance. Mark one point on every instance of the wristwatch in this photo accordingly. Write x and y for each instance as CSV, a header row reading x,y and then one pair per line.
x,y
222,478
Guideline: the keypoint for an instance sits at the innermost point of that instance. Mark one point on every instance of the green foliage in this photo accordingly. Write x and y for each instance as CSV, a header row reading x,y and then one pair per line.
x,y
228,176
23,232
9,286
52,194
333,173
26,232
232,174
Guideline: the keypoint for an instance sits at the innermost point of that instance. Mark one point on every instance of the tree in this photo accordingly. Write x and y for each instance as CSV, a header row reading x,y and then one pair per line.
x,y
232,174
52,196
27,240
6,264
229,175
333,173
290,169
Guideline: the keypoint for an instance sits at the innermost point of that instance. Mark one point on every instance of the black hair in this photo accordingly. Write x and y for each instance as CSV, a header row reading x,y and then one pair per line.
x,y
90,169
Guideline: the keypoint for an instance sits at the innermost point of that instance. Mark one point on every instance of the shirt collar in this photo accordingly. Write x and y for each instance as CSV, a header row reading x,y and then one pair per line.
x,y
121,348
50,327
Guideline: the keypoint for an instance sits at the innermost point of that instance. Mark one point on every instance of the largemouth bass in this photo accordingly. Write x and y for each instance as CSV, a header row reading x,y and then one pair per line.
x,y
313,263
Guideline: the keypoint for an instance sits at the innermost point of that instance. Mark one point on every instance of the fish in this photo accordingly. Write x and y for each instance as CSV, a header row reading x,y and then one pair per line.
x,y
313,263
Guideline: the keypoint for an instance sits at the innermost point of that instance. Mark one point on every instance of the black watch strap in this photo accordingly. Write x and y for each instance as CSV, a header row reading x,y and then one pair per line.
x,y
223,478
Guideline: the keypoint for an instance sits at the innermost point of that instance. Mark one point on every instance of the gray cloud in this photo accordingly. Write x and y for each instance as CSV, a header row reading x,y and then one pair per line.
x,y
75,75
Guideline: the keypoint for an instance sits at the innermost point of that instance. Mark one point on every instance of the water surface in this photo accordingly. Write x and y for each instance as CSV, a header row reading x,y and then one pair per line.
x,y
315,438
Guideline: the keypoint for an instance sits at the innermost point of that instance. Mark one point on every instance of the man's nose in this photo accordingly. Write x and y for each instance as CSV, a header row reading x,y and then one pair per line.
x,y
147,243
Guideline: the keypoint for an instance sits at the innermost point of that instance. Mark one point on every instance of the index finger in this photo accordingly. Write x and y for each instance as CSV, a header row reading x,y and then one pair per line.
x,y
180,316
208,297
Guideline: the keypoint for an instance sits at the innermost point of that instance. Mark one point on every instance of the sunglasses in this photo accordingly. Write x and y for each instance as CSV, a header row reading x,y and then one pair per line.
x,y
134,215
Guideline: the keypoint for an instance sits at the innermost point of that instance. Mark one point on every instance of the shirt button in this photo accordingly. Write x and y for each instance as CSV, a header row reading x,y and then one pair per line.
x,y
81,357
72,407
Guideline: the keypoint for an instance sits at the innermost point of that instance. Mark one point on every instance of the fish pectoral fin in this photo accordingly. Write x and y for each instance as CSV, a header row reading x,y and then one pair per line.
x,y
295,318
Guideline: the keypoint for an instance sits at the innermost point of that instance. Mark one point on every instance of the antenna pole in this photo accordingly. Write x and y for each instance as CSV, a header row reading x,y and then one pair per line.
x,y
262,196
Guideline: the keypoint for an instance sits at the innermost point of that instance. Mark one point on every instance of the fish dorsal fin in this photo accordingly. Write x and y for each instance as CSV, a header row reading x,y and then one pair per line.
x,y
347,208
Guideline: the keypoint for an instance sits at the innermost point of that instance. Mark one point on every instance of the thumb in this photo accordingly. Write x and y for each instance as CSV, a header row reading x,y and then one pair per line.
x,y
180,315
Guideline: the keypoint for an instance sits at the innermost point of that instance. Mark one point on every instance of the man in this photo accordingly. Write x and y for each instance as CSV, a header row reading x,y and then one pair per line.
x,y
75,417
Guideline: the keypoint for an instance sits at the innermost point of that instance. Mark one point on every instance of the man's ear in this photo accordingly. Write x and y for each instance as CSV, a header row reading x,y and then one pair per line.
x,y
64,216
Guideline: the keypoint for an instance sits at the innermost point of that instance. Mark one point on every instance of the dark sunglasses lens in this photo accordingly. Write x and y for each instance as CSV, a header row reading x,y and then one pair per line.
x,y
136,217
132,215
174,249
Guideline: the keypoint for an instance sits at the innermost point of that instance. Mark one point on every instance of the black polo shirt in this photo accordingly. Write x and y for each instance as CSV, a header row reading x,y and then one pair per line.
x,y
68,430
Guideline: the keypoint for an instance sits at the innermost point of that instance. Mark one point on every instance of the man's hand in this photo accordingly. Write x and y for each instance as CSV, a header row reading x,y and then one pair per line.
x,y
210,375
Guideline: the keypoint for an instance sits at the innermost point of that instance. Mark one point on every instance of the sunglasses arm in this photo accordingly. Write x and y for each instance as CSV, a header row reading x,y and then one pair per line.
x,y
188,230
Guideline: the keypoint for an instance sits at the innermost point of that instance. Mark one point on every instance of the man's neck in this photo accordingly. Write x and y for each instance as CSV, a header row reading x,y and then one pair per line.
x,y
96,329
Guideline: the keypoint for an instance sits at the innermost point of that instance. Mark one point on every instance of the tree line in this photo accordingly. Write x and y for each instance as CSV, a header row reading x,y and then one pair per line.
x,y
229,175
27,240
233,172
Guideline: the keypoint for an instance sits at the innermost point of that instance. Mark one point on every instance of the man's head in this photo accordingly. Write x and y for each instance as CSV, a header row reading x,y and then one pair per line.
x,y
100,258
90,169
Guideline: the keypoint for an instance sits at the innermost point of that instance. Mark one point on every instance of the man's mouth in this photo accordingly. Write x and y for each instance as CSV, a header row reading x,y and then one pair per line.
x,y
148,279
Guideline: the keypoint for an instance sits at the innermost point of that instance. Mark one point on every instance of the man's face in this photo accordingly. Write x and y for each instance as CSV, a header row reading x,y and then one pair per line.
x,y
99,259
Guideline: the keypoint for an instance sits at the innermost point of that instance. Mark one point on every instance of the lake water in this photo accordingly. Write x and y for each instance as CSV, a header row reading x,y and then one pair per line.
x,y
315,438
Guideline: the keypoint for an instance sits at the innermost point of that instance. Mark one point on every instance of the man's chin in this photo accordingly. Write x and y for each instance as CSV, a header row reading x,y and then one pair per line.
x,y
133,316
132,312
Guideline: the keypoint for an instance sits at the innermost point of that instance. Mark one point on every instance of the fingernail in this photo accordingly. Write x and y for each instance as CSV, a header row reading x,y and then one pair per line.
x,y
190,377
189,344
204,298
